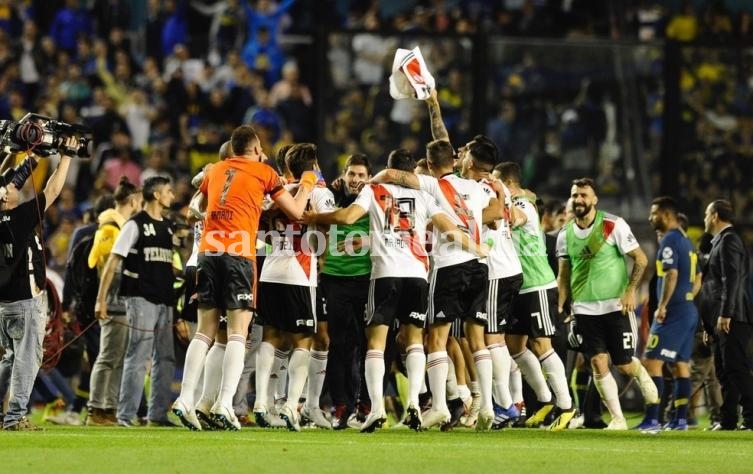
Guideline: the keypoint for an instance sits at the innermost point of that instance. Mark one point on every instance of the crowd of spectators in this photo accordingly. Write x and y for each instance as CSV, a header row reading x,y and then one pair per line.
x,y
162,82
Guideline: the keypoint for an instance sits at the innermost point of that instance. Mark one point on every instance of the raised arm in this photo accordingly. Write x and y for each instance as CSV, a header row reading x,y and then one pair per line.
x,y
438,129
57,180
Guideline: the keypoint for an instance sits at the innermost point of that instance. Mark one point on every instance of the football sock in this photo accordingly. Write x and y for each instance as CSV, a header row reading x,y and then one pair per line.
x,y
501,374
197,351
298,370
531,369
437,367
516,382
212,374
374,368
554,371
232,366
483,362
452,381
415,365
317,372
265,359
652,411
607,387
682,395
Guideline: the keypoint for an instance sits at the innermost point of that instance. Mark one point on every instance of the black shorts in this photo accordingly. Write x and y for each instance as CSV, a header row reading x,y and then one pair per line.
x,y
458,292
226,282
404,299
612,333
289,308
499,302
534,314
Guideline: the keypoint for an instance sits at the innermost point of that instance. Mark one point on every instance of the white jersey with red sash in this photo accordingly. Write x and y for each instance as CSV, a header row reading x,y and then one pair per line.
x,y
503,260
292,260
464,201
397,229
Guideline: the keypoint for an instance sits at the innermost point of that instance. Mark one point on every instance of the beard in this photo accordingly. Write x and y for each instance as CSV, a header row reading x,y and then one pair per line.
x,y
581,210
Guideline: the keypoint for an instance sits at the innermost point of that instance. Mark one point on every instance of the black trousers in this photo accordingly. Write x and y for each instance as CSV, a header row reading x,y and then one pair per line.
x,y
346,302
734,361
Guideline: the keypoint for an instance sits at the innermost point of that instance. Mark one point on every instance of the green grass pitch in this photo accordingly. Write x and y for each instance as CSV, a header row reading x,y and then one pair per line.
x,y
168,450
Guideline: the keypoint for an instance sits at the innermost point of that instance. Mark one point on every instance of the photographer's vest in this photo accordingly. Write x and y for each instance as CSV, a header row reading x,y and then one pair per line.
x,y
598,270
148,269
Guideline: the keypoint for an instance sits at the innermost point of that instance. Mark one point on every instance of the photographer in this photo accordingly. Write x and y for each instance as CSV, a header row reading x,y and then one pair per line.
x,y
23,303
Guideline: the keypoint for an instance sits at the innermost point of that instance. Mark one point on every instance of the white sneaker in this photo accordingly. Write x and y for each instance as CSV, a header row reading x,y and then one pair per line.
x,y
485,420
576,422
434,417
316,416
374,420
617,424
66,418
353,422
186,415
275,421
290,415
226,417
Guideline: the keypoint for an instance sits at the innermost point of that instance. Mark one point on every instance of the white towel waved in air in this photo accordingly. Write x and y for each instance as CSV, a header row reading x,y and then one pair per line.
x,y
410,77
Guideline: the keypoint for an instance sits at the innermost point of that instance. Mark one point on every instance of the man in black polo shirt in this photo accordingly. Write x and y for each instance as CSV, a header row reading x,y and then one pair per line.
x,y
145,245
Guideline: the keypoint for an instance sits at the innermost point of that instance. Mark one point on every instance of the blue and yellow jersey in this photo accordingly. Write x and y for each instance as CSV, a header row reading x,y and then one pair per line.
x,y
676,253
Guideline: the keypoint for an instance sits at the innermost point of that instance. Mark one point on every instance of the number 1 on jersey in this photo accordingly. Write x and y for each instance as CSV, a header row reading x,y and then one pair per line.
x,y
230,175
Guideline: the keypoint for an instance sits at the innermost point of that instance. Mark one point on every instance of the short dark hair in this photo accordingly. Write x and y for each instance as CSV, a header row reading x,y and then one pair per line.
x,y
488,144
508,171
724,210
553,207
585,182
242,137
282,167
483,152
124,190
299,158
151,185
665,203
439,153
358,159
401,159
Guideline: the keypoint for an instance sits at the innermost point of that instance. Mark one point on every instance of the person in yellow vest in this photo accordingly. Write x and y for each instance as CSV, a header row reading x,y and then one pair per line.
x,y
108,367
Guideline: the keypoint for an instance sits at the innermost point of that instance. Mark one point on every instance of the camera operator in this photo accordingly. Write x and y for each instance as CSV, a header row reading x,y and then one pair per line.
x,y
23,303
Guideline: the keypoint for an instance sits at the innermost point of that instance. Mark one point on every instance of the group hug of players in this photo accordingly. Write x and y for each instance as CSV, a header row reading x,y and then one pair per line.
x,y
456,264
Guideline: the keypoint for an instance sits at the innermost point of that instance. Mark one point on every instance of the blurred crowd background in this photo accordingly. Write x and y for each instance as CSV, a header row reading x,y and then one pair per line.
x,y
566,88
